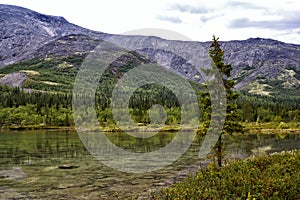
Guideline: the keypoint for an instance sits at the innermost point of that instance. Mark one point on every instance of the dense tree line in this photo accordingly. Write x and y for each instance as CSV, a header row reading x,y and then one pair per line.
x,y
18,107
21,108
255,108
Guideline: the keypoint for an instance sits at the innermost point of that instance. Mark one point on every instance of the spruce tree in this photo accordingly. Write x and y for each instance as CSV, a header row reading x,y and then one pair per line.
x,y
232,120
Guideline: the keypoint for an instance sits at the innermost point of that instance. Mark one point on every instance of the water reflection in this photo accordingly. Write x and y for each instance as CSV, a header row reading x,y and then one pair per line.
x,y
38,147
143,157
26,147
38,153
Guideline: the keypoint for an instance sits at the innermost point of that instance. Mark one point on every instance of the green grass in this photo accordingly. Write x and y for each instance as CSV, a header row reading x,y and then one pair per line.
x,y
269,126
276,176
47,70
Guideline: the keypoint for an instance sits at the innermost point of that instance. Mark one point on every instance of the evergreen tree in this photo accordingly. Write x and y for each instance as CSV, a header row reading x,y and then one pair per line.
x,y
248,111
232,119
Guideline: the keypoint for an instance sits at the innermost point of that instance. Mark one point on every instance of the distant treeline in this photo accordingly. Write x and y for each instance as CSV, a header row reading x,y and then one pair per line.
x,y
19,108
256,108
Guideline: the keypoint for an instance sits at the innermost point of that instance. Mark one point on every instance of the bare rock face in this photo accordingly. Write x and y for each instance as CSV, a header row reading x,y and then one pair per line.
x,y
253,59
262,59
74,44
23,31
14,79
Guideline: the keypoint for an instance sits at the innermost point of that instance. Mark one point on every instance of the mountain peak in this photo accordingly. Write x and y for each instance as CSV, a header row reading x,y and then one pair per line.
x,y
26,34
16,11
264,40
22,31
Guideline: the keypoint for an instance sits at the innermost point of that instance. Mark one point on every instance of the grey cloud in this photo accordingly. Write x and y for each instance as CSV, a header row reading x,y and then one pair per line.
x,y
205,19
175,20
190,9
285,24
246,5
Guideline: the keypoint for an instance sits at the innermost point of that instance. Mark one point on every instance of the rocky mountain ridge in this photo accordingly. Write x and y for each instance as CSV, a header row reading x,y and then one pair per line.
x,y
258,64
24,31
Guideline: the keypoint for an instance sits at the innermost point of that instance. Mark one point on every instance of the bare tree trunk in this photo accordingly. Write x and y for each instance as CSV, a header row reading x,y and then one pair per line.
x,y
219,151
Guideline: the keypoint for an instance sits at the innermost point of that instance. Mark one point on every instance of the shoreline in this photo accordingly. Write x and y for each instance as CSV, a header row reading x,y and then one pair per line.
x,y
249,129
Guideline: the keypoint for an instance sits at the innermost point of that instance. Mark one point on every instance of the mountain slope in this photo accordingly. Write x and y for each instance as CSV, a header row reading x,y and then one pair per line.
x,y
260,66
264,59
23,31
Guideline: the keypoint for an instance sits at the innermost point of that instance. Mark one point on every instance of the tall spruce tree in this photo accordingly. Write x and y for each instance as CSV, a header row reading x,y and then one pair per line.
x,y
232,124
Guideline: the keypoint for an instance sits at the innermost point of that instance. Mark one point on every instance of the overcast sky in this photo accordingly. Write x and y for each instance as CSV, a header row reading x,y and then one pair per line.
x,y
196,19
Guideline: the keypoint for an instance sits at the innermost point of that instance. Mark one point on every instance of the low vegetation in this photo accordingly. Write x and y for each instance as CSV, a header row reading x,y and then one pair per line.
x,y
276,176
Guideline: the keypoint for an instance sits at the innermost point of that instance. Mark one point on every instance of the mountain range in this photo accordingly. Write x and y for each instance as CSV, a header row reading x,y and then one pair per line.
x,y
29,41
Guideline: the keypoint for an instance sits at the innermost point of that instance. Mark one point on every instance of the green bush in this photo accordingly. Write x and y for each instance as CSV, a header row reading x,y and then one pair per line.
x,y
269,177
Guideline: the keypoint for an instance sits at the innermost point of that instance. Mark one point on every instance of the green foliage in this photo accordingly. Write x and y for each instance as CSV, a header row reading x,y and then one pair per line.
x,y
57,76
18,108
232,124
232,117
54,78
248,112
256,108
48,70
269,177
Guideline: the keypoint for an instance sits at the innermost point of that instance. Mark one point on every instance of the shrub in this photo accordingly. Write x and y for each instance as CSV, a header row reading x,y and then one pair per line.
x,y
276,176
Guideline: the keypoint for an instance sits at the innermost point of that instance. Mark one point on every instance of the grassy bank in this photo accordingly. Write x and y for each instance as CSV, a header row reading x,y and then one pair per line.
x,y
268,177
270,127
36,127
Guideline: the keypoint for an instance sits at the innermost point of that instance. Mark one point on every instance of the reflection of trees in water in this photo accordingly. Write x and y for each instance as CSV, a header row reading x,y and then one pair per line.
x,y
36,147
39,147
250,144
142,145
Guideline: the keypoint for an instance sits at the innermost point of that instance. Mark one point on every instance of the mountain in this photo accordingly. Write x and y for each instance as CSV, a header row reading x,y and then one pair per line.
x,y
39,45
24,31
264,60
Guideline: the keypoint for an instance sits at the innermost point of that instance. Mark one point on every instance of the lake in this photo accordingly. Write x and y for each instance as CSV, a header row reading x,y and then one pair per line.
x,y
29,163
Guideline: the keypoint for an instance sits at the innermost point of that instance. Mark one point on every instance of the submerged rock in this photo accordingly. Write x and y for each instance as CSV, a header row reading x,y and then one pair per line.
x,y
15,173
68,166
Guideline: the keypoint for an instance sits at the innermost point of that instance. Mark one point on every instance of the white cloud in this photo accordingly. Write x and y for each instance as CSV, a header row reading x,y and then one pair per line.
x,y
190,9
175,20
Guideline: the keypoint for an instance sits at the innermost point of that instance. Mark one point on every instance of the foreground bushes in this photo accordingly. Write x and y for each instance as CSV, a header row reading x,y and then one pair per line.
x,y
269,177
